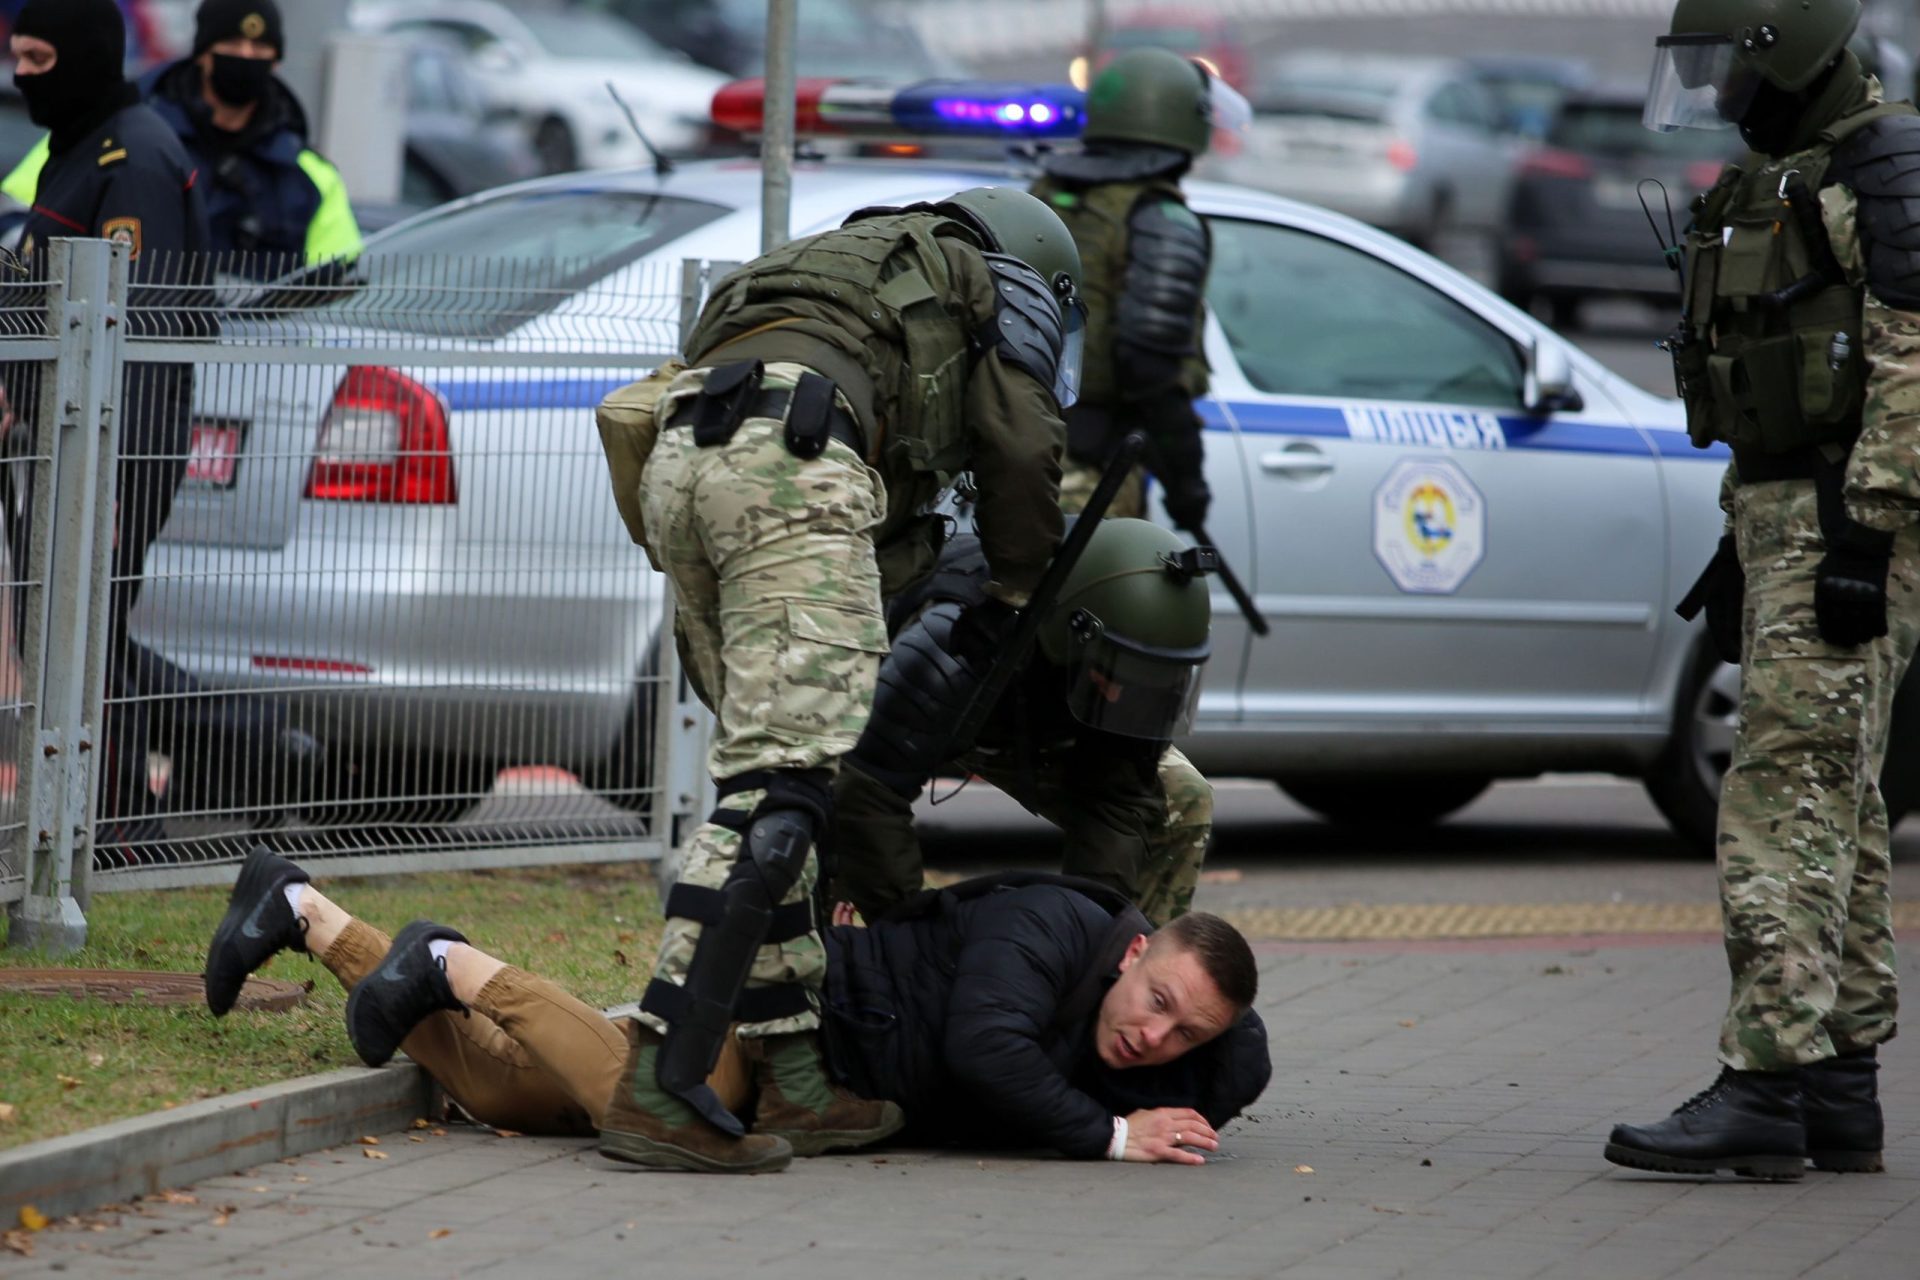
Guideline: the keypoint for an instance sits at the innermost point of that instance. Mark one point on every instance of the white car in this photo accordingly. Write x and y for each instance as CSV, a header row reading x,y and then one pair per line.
x,y
553,66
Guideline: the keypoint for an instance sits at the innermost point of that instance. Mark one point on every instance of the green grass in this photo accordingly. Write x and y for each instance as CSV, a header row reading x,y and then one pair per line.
x,y
591,929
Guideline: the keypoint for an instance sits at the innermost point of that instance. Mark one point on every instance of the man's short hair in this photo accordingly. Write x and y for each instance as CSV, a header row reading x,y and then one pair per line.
x,y
1221,951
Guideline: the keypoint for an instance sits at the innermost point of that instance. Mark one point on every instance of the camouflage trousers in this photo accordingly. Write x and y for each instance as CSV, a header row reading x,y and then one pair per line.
x,y
1079,479
779,628
1805,866
1145,836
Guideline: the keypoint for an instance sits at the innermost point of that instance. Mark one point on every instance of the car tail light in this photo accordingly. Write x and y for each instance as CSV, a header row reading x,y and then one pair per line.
x,y
1402,156
384,440
1549,163
1702,174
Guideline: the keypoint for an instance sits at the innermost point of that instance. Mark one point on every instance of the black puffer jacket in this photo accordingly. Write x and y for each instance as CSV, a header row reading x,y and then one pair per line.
x,y
974,1008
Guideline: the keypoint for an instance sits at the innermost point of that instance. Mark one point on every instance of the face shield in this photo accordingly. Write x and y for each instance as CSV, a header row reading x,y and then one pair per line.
x,y
1227,108
1697,84
1073,344
1118,687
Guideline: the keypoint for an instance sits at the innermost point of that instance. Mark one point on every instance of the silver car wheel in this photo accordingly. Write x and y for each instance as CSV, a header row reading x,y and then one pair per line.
x,y
1716,719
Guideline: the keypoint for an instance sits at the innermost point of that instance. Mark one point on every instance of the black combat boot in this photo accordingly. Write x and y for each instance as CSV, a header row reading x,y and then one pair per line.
x,y
1746,1121
1845,1132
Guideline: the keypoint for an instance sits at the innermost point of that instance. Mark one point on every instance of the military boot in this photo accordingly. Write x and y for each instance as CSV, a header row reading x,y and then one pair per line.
x,y
799,1103
1845,1132
646,1125
1746,1121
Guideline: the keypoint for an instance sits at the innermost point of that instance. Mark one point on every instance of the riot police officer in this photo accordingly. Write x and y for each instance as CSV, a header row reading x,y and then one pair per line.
x,y
1798,348
1150,114
274,204
1077,738
783,483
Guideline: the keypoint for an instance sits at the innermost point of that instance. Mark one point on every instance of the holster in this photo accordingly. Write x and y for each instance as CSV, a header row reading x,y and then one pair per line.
x,y
722,402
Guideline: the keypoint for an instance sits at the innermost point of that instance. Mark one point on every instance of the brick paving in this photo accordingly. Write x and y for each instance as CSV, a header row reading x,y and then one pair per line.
x,y
1449,1100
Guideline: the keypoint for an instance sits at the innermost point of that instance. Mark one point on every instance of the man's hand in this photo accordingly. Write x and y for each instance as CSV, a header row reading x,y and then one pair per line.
x,y
1162,1135
1850,586
1186,501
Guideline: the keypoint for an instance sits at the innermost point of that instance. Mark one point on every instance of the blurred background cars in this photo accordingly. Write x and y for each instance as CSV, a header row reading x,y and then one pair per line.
x,y
1530,88
1415,146
1576,228
457,144
552,67
1190,32
836,37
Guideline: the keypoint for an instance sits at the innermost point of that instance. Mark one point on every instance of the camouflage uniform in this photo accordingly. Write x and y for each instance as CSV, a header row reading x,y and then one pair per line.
x,y
779,628
1803,841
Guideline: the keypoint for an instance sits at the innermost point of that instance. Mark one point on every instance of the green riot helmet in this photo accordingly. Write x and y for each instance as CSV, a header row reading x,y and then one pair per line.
x,y
1158,98
1708,69
1130,630
1037,271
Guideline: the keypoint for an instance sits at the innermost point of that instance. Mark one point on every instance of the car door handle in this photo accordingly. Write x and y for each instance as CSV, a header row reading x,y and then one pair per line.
x,y
1296,464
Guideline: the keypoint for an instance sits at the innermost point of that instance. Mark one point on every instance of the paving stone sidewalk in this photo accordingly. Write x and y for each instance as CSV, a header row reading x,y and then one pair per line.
x,y
1436,1111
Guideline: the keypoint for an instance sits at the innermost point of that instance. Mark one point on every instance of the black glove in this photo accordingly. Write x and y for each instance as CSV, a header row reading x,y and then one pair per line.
x,y
981,631
1721,590
1850,587
1186,501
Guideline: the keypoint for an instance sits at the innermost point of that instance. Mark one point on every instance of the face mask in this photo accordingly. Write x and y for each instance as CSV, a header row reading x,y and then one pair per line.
x,y
56,97
240,82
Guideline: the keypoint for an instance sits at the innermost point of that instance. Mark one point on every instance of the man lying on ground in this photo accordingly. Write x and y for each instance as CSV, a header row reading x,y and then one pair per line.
x,y
1011,1012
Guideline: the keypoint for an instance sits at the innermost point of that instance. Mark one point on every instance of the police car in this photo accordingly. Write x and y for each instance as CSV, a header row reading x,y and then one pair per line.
x,y
1467,533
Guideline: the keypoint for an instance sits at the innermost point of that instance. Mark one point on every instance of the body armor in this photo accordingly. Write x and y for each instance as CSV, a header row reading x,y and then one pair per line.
x,y
1769,357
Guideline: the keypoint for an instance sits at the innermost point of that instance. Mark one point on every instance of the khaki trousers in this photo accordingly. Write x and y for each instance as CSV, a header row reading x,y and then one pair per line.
x,y
529,1057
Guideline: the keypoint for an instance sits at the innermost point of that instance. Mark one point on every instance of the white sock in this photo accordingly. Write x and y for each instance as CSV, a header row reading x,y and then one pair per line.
x,y
293,896
438,949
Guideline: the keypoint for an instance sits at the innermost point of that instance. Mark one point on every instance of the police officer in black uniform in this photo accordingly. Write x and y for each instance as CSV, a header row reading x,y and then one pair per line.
x,y
116,172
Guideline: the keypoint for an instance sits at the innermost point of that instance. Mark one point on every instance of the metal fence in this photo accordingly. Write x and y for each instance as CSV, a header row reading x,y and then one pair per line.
x,y
363,592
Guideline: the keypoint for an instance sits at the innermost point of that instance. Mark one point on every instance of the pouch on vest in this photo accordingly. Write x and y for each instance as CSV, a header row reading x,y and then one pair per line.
x,y
723,400
629,428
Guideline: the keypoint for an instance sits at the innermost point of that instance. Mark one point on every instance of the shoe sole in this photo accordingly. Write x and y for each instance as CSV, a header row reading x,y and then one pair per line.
x,y
1847,1161
634,1148
1764,1168
820,1142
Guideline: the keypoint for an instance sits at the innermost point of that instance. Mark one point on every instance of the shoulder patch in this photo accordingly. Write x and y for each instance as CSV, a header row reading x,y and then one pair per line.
x,y
124,231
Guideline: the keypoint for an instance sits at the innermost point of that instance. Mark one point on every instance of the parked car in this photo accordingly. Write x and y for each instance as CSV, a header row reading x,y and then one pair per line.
x,y
457,144
1467,532
1414,146
553,67
1530,88
1576,227
834,37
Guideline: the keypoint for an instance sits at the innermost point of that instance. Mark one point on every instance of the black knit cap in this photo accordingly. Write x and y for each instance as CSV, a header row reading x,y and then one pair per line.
x,y
90,35
220,20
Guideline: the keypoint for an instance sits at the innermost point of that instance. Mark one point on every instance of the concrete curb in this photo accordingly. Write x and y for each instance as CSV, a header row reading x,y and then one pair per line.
x,y
208,1139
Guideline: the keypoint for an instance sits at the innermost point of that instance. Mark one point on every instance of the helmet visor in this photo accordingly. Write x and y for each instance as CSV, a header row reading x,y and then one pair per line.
x,y
1697,84
1073,347
1134,692
1227,108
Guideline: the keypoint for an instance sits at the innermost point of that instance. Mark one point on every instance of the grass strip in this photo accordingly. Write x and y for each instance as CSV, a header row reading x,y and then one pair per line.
x,y
68,1064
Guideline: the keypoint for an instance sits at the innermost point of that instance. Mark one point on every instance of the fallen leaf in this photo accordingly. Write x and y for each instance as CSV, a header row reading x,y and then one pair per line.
x,y
256,1189
1231,875
32,1219
439,1233
620,958
1303,1168
439,1133
8,1113
414,1137
1407,1022
68,1082
556,936
626,937
177,1197
369,1141
18,1242
222,1220
371,1154
96,1060
168,1106
301,1177
506,1133
419,1124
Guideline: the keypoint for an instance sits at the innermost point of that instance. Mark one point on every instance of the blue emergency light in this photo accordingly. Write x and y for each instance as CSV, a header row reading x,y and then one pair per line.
x,y
1005,110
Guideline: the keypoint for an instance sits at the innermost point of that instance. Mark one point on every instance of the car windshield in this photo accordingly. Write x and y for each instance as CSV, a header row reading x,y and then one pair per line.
x,y
1615,130
589,35
1326,92
537,248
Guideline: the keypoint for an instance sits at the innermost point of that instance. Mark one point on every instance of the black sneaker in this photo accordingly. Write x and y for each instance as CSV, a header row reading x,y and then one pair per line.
x,y
258,924
1747,1121
395,998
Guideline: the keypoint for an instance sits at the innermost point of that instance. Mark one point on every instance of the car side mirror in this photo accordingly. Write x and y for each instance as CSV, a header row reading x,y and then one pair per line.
x,y
496,59
1549,386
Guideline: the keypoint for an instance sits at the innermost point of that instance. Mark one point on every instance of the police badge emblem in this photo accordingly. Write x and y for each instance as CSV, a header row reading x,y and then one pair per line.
x,y
124,231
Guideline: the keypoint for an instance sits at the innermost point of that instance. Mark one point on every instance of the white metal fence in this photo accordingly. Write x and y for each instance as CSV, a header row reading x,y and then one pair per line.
x,y
389,619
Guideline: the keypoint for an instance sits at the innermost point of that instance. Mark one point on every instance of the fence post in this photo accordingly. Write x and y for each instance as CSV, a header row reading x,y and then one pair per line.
x,y
70,548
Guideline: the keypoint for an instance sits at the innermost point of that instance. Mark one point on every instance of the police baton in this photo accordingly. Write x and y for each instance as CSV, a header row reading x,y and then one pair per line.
x,y
1248,608
1013,654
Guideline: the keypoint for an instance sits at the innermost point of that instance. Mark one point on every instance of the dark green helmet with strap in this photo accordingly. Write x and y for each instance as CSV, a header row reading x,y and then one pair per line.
x,y
1718,53
1131,628
1151,96
1020,226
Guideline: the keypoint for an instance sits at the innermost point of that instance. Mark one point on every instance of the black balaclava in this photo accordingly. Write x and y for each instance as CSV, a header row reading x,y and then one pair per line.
x,y
88,81
1776,117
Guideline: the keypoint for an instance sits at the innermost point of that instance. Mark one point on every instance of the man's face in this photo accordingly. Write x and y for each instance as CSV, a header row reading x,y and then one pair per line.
x,y
1162,1005
33,56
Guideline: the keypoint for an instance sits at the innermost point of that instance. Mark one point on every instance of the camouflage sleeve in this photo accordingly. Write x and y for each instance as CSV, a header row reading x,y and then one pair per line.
x,y
1729,481
1017,442
1883,476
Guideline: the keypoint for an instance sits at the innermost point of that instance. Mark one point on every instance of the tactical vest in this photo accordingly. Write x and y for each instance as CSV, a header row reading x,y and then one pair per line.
x,y
1097,218
1770,359
885,282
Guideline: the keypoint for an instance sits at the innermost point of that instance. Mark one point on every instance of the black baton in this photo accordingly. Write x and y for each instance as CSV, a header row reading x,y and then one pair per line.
x,y
1248,608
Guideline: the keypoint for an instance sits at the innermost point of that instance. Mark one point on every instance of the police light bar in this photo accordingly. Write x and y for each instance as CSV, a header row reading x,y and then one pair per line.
x,y
1011,110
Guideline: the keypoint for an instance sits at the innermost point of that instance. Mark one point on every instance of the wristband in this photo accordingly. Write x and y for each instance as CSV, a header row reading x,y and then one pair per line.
x,y
1117,1149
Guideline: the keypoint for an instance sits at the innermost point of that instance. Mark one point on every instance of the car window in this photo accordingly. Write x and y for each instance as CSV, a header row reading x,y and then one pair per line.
x,y
1450,105
1478,108
470,37
1309,316
427,88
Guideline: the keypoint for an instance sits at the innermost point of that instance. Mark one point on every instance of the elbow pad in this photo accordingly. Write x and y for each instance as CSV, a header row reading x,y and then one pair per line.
x,y
1157,319
1881,165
